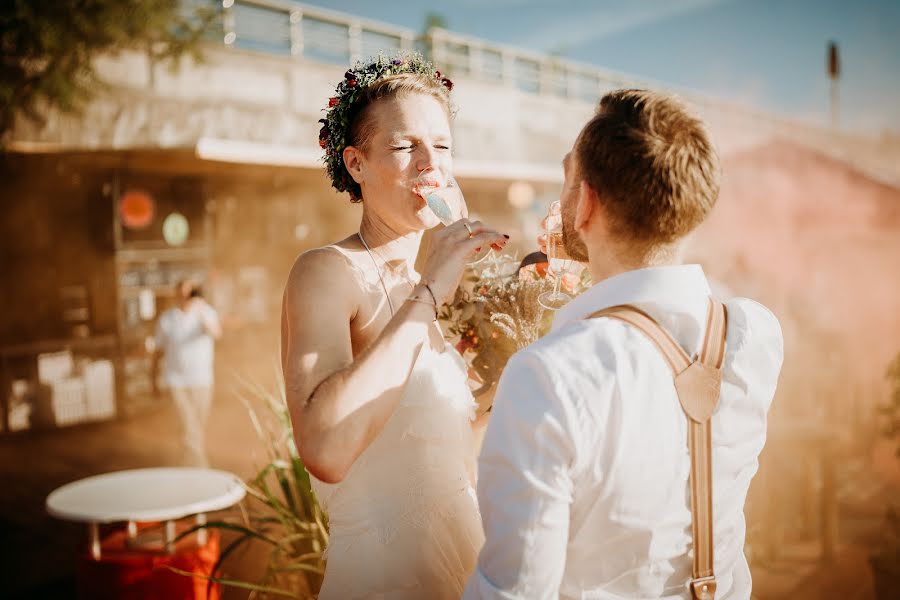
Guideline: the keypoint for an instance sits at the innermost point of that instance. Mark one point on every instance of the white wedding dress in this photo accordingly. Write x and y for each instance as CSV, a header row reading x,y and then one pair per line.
x,y
404,522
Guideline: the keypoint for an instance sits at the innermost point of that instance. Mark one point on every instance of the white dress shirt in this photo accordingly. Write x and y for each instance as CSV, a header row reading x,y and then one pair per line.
x,y
583,476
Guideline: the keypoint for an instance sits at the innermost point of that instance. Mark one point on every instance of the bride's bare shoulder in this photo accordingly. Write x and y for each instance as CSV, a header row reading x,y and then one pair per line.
x,y
330,267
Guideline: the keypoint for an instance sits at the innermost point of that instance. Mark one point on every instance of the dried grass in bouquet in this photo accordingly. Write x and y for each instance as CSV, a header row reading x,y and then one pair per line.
x,y
496,313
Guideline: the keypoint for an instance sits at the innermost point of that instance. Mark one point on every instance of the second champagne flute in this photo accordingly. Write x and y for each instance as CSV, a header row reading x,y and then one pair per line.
x,y
559,262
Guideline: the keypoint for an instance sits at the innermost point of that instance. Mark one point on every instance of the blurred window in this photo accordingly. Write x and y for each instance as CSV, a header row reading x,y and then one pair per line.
x,y
325,41
261,28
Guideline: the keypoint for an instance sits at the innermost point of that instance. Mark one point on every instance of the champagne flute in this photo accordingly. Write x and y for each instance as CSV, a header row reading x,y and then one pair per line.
x,y
441,195
445,200
559,262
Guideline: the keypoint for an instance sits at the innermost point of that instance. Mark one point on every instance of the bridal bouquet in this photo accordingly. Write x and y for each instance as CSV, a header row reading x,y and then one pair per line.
x,y
496,312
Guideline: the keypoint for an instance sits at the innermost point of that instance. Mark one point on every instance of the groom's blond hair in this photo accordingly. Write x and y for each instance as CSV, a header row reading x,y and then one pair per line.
x,y
651,163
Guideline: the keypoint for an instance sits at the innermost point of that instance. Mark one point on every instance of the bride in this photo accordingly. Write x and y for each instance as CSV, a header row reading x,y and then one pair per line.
x,y
381,411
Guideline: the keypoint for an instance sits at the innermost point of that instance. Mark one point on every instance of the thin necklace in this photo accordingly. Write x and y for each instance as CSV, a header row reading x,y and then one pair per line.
x,y
377,270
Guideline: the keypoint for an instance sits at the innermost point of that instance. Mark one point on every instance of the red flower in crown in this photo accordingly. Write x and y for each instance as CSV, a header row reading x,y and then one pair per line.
x,y
332,102
447,83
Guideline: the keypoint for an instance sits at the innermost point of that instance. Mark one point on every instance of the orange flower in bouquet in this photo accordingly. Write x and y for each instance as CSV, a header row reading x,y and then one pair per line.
x,y
496,312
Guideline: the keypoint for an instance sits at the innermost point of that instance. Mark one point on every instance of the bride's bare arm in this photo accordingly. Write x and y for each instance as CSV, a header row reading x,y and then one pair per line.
x,y
338,405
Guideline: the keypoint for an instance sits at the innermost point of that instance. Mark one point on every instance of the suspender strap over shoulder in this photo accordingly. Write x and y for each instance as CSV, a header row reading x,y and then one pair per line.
x,y
697,384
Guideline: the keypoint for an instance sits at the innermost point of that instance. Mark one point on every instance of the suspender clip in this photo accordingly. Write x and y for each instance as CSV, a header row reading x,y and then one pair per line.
x,y
704,588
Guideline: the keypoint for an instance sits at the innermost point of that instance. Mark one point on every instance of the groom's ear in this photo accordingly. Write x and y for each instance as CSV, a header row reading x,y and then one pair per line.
x,y
353,161
588,204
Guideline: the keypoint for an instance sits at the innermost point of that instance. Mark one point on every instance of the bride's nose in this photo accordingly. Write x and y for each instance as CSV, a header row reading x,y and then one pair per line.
x,y
427,159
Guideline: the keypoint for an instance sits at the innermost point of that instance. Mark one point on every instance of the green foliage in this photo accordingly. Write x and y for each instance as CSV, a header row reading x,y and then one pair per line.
x,y
891,411
47,48
435,20
283,510
886,559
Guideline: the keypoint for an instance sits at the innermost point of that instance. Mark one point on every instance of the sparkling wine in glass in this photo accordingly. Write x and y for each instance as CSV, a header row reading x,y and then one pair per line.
x,y
559,262
441,195
445,199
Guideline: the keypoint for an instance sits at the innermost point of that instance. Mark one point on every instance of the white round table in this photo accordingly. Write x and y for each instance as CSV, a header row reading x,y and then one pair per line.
x,y
140,495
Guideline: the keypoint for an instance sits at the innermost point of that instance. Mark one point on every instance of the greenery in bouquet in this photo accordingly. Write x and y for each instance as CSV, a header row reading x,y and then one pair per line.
x,y
496,312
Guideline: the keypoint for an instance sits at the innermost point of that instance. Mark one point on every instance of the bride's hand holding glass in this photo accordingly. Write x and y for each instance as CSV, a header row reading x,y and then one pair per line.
x,y
444,201
450,251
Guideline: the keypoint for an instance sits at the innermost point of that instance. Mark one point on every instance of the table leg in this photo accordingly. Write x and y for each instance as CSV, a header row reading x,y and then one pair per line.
x,y
201,533
94,537
170,536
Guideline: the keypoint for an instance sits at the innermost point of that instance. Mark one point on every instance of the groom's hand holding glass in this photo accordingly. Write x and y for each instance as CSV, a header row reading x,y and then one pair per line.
x,y
560,263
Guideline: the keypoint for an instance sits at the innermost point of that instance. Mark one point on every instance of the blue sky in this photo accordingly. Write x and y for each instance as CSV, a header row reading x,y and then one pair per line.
x,y
769,54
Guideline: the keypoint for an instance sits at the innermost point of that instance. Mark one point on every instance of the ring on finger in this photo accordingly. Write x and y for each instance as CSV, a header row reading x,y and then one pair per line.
x,y
468,228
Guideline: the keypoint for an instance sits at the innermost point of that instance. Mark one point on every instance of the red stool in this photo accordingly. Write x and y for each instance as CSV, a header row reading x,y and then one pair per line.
x,y
137,563
137,568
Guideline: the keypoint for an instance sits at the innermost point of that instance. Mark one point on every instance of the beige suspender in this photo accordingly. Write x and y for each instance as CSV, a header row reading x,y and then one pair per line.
x,y
697,384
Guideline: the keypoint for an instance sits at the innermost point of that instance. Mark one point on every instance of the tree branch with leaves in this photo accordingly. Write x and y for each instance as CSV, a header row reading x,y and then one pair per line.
x,y
47,48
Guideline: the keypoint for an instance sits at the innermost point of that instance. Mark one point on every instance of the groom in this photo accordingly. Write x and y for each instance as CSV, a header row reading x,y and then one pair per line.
x,y
583,476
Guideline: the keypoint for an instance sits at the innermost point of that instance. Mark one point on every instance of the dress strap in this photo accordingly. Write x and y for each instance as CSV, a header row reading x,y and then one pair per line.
x,y
360,274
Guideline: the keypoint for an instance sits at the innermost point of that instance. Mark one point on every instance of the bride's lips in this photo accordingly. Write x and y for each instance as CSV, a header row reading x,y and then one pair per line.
x,y
422,190
424,187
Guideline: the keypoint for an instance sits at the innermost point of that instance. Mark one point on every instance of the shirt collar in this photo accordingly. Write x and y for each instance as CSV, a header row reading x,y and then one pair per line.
x,y
678,286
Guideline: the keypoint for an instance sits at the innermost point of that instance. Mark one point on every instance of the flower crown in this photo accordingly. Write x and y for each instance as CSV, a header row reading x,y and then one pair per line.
x,y
333,137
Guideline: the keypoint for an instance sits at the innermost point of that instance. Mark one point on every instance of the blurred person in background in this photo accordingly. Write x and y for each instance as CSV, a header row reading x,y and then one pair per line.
x,y
185,344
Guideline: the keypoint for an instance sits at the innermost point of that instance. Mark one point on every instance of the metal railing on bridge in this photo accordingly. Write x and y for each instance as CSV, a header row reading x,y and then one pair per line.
x,y
293,29
286,28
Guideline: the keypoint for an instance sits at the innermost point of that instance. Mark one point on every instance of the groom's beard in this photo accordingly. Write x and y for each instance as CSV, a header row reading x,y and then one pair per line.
x,y
572,242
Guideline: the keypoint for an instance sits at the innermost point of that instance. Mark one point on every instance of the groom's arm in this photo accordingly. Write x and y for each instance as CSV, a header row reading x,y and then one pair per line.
x,y
524,487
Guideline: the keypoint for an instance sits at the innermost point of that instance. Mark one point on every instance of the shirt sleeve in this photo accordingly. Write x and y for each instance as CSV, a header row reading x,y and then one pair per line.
x,y
524,487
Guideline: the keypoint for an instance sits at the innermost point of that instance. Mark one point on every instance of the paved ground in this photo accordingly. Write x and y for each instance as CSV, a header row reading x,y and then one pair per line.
x,y
36,551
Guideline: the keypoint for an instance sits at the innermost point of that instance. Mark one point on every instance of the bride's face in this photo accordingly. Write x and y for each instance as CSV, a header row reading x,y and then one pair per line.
x,y
408,136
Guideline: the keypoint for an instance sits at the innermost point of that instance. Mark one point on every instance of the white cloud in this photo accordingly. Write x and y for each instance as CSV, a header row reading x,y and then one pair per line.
x,y
569,28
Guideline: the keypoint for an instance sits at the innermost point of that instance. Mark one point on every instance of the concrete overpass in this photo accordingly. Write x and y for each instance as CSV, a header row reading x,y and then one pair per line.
x,y
273,64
